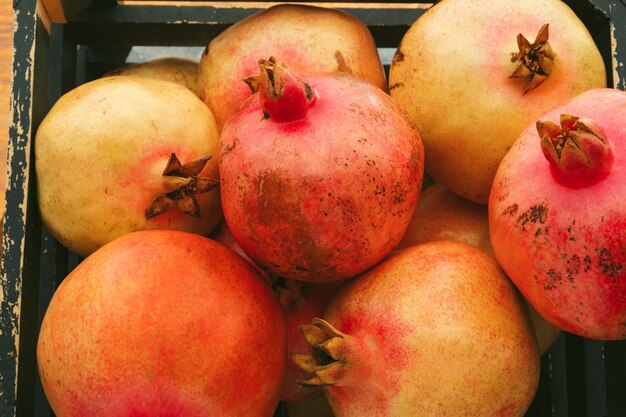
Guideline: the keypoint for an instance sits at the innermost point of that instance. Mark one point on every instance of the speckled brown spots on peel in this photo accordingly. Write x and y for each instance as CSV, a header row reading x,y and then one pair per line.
x,y
342,65
587,263
573,267
535,214
609,266
399,194
226,149
377,117
511,210
552,280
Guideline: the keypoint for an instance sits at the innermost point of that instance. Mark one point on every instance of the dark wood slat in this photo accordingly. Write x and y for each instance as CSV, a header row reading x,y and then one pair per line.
x,y
593,13
29,311
595,376
15,221
196,26
615,362
558,377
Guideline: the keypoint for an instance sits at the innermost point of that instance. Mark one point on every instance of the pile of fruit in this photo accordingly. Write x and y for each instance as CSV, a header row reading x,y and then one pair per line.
x,y
258,233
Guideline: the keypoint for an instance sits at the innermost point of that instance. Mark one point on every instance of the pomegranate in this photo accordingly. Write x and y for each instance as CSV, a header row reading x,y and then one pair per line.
x,y
443,215
190,330
319,178
313,39
98,178
301,302
183,71
434,330
473,77
557,221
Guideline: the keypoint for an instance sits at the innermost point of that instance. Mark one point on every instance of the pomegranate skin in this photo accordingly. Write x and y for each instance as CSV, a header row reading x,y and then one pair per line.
x,y
563,245
165,324
442,215
452,73
314,40
327,196
97,177
433,330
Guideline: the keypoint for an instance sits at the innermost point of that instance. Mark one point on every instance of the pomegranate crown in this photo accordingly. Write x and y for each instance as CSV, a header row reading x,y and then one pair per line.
x,y
535,59
577,150
284,97
331,350
182,183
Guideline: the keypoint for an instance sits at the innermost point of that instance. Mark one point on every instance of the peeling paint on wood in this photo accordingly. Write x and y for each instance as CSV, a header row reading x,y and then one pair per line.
x,y
16,192
617,10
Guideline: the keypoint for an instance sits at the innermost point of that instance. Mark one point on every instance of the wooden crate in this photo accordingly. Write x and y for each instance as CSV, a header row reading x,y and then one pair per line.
x,y
73,41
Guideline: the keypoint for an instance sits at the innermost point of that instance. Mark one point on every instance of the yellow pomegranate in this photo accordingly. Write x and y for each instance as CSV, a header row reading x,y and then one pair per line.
x,y
121,154
473,76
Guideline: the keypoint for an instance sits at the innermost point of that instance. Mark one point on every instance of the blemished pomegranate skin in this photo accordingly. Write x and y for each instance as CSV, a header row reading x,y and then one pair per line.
x,y
558,220
435,329
165,324
319,177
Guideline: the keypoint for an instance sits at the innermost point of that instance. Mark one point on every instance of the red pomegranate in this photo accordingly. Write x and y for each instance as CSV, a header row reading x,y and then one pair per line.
x,y
473,75
162,324
319,178
313,39
434,330
556,218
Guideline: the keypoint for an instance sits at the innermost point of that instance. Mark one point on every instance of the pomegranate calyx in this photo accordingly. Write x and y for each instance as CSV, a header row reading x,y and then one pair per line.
x,y
284,98
330,351
536,59
253,82
182,183
576,148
